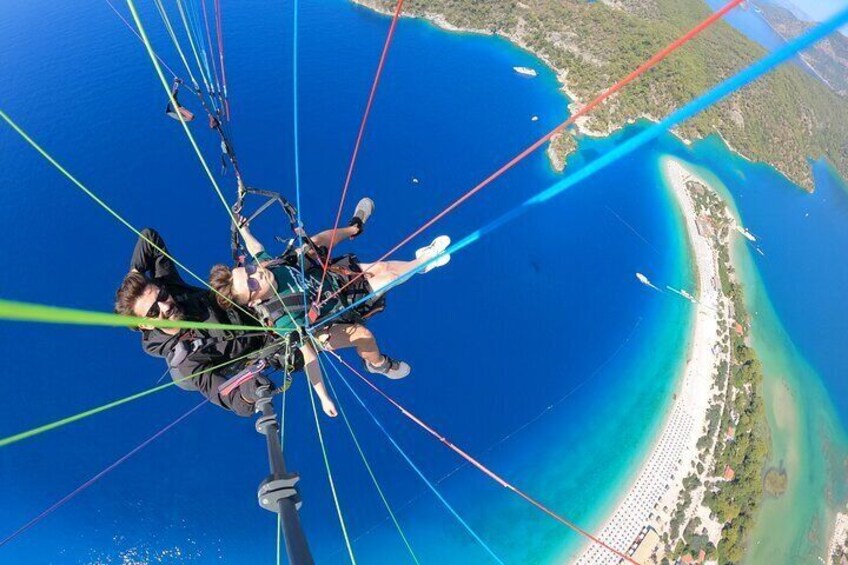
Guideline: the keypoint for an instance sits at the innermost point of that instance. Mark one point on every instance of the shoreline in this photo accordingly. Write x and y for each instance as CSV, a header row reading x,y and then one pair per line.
x,y
652,497
574,102
802,422
629,482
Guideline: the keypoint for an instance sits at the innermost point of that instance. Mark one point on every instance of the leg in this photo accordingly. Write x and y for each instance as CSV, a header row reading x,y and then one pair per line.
x,y
364,209
341,336
386,272
326,238
316,378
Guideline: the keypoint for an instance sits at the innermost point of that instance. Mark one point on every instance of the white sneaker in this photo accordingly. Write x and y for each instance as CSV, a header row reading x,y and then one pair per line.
x,y
390,368
436,248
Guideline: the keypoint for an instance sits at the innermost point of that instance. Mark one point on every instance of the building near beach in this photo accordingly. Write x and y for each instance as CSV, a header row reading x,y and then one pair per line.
x,y
648,546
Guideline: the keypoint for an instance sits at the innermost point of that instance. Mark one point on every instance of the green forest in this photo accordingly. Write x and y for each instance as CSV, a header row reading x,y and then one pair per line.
x,y
783,119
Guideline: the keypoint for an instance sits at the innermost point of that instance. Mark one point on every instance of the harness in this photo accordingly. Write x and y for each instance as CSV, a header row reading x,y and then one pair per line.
x,y
341,270
348,267
287,356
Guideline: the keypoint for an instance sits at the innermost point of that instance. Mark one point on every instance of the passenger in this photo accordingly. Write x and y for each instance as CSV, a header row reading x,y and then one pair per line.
x,y
154,289
278,281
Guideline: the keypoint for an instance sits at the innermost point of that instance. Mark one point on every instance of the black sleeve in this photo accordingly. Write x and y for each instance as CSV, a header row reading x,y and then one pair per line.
x,y
206,380
149,260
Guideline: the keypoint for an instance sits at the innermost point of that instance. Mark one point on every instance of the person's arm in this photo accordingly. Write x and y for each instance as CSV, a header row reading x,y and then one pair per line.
x,y
254,247
313,371
149,258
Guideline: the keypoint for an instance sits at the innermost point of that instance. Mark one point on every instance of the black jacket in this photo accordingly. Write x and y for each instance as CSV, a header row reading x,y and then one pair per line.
x,y
193,351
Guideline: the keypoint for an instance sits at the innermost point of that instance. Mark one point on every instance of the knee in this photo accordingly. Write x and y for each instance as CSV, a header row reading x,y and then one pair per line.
x,y
376,270
360,333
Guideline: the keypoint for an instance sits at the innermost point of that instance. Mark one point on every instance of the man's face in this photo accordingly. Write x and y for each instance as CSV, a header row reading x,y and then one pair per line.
x,y
252,284
157,303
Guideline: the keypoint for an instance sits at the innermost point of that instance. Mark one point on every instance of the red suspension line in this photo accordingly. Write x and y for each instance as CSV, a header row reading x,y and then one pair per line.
x,y
379,72
485,470
653,61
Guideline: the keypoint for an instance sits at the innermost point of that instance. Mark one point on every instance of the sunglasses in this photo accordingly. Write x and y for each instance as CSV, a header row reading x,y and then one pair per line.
x,y
162,296
252,284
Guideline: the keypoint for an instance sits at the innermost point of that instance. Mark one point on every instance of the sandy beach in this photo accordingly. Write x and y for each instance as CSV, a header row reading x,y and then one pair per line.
x,y
839,539
652,496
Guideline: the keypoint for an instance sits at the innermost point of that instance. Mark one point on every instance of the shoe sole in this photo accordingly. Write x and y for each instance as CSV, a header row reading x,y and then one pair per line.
x,y
436,247
394,378
368,212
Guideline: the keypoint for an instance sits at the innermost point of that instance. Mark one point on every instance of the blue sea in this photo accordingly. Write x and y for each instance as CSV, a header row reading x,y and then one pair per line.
x,y
535,350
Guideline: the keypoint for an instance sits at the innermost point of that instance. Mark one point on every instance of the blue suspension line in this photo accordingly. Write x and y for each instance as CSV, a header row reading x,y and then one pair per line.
x,y
197,30
717,93
296,136
415,468
366,463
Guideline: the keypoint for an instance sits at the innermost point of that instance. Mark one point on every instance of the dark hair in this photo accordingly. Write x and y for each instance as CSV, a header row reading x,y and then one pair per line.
x,y
131,289
221,281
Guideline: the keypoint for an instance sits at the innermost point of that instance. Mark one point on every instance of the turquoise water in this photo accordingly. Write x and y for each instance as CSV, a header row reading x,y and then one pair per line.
x,y
792,292
802,237
545,313
545,310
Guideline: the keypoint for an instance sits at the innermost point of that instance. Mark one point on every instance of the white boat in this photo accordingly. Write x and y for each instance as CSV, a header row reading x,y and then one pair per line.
x,y
748,235
534,119
643,279
526,71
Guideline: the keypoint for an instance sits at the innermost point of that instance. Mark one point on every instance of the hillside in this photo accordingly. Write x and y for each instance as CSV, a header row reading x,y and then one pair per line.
x,y
783,119
828,59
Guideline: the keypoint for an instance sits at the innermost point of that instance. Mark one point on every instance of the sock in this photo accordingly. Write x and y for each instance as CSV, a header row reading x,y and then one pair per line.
x,y
382,364
355,221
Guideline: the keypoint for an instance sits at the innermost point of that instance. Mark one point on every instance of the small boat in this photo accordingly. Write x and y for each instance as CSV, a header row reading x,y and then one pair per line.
x,y
526,71
748,235
534,119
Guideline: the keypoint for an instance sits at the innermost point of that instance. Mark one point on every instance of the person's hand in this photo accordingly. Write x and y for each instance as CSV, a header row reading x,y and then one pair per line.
x,y
242,222
329,408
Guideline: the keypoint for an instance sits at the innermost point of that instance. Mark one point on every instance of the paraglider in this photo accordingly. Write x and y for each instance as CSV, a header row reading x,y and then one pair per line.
x,y
164,306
